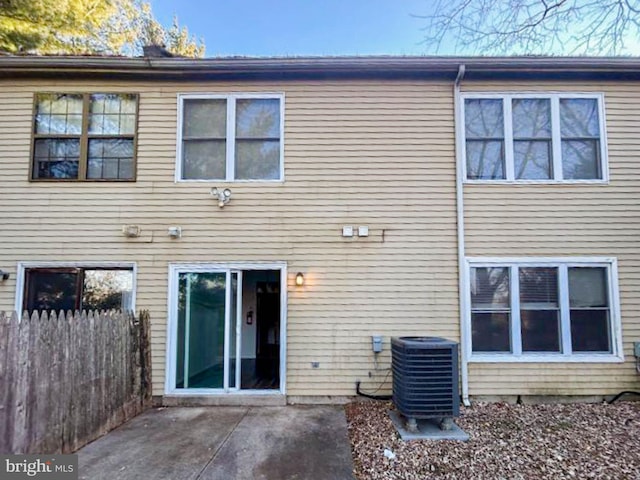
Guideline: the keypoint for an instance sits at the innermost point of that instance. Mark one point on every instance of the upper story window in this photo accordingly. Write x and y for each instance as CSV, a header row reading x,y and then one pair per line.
x,y
230,137
84,136
534,137
543,310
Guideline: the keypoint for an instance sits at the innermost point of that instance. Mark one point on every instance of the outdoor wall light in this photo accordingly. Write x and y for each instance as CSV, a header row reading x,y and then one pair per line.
x,y
223,196
4,275
299,279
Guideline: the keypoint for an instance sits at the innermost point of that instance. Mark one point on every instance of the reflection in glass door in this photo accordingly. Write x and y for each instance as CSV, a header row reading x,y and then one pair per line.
x,y
233,331
201,322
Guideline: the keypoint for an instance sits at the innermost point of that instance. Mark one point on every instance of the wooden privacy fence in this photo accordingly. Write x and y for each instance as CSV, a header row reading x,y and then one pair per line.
x,y
66,379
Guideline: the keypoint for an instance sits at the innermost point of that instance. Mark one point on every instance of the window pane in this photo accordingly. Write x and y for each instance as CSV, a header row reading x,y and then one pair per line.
x,y
56,158
532,159
579,117
129,104
104,124
258,118
483,118
538,287
47,290
540,330
539,309
107,290
257,160
581,160
204,160
112,114
588,287
205,118
590,330
59,114
105,103
110,158
490,332
127,124
485,160
484,130
490,287
589,301
531,118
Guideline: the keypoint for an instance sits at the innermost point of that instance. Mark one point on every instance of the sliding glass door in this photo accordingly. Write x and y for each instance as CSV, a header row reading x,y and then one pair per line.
x,y
207,341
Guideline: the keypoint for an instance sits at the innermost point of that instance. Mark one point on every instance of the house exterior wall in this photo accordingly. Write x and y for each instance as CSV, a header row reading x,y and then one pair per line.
x,y
566,220
356,153
375,153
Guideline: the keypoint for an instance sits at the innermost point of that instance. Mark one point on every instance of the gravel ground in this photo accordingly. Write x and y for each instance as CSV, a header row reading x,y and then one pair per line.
x,y
579,441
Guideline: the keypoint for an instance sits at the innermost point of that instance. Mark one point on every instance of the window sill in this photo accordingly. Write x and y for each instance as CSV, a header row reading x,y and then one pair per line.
x,y
546,358
83,180
231,182
214,392
535,182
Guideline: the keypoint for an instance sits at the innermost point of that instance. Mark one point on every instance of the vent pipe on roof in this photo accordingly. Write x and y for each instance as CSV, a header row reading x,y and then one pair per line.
x,y
156,51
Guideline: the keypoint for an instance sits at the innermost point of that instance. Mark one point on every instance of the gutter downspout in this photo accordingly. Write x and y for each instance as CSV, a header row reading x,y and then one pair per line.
x,y
462,268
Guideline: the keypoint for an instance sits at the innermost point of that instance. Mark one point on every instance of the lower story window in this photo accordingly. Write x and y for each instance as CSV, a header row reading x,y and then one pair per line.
x,y
526,309
77,288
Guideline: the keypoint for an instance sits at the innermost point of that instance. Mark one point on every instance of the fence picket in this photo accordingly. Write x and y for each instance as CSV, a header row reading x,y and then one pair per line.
x,y
39,416
68,378
7,356
57,383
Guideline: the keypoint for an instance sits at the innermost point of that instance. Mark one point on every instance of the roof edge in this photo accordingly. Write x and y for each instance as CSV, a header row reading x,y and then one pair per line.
x,y
321,67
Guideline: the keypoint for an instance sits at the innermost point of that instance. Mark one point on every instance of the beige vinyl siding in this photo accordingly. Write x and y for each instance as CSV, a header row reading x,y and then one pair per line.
x,y
356,153
522,220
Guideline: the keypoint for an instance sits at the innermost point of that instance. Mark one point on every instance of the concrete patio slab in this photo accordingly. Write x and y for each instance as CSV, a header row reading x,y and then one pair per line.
x,y
286,443
262,443
169,443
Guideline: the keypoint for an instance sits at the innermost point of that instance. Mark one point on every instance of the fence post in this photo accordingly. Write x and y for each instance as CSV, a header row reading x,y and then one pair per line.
x,y
8,335
145,359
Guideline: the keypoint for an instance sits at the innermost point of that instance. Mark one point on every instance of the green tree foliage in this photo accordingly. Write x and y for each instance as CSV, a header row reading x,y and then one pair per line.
x,y
111,27
594,27
176,39
49,26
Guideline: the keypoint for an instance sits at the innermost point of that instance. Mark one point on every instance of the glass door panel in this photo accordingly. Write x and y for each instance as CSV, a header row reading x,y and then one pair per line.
x,y
200,358
234,365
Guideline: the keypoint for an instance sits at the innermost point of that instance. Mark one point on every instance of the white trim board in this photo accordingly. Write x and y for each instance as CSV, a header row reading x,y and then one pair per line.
x,y
563,263
230,134
172,307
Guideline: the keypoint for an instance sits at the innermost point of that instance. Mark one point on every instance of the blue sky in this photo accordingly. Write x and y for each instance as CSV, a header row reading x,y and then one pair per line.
x,y
301,27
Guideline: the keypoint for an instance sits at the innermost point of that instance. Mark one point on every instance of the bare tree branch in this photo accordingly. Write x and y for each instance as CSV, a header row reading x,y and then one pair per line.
x,y
595,27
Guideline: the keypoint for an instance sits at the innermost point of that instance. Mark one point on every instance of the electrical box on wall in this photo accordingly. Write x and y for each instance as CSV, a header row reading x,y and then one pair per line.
x,y
376,343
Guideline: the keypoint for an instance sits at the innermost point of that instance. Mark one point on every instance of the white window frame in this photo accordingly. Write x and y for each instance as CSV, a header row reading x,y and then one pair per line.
x,y
231,134
556,157
562,263
175,269
22,267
